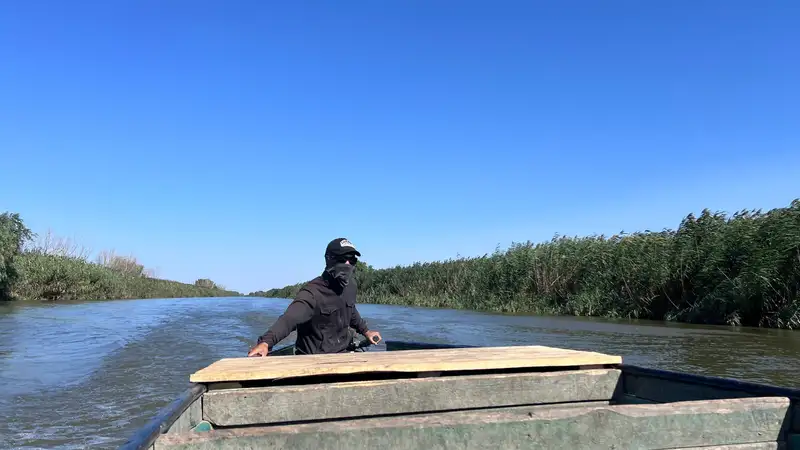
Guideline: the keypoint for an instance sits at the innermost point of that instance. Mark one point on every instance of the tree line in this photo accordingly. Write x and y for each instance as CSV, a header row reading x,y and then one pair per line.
x,y
742,269
53,269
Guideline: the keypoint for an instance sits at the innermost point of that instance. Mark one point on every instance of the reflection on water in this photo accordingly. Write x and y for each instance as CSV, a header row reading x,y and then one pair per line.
x,y
88,374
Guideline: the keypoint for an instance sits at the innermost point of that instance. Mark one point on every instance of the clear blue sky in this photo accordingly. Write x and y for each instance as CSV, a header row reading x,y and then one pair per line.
x,y
233,140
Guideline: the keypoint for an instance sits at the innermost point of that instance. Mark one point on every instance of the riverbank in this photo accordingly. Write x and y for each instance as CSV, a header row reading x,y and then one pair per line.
x,y
58,271
742,269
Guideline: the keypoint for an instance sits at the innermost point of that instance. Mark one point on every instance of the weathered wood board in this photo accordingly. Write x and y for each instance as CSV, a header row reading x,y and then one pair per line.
x,y
266,405
269,368
685,424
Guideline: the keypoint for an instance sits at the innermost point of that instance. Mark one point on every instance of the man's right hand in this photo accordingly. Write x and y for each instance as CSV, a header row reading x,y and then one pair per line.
x,y
261,349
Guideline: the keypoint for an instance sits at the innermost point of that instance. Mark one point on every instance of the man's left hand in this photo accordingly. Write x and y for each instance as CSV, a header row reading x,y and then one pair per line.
x,y
373,336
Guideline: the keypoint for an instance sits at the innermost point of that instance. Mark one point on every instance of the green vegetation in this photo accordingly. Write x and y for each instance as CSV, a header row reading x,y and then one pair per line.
x,y
737,270
207,284
13,235
56,270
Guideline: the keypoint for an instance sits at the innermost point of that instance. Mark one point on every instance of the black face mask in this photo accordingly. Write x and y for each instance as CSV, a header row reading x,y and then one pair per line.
x,y
340,272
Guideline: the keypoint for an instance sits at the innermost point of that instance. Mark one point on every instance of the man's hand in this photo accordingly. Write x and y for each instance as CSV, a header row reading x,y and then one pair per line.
x,y
261,349
373,336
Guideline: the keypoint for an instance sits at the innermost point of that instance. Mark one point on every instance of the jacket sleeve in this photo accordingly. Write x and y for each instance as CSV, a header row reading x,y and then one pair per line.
x,y
358,323
299,311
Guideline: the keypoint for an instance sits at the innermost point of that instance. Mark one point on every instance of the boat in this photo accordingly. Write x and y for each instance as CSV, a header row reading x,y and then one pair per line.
x,y
406,395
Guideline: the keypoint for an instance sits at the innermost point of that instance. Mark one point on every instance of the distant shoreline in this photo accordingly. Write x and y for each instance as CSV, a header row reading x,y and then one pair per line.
x,y
56,270
742,269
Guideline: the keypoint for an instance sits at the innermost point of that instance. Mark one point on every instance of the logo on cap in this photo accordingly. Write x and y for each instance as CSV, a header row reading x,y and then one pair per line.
x,y
346,243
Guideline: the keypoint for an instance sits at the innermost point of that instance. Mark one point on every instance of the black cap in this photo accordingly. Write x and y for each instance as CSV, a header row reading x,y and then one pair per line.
x,y
341,246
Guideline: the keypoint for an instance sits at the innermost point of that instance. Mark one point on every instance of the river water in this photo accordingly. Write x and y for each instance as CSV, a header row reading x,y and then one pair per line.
x,y
87,375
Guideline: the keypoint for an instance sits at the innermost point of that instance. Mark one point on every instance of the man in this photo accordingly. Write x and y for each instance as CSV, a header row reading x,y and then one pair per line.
x,y
323,309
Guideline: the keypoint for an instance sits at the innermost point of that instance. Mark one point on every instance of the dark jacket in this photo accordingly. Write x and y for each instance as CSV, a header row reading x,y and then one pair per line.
x,y
321,316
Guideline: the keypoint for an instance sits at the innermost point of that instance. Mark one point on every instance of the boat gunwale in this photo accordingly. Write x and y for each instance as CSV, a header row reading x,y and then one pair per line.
x,y
159,424
146,436
719,382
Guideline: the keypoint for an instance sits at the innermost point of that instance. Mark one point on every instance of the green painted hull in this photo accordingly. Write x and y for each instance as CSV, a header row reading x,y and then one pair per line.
x,y
607,407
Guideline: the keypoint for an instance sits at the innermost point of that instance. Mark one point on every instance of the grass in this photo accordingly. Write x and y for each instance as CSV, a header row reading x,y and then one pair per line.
x,y
742,269
58,270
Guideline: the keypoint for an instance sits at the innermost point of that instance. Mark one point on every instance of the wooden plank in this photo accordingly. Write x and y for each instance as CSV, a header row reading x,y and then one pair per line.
x,y
268,368
414,395
686,424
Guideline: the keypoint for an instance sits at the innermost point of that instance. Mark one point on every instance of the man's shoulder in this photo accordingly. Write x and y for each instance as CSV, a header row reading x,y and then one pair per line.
x,y
315,283
312,286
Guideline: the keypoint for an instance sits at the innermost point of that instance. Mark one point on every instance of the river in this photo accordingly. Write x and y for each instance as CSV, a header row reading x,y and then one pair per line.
x,y
87,375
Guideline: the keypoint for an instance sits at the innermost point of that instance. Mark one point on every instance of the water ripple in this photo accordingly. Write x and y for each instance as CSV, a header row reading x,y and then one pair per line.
x,y
88,375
